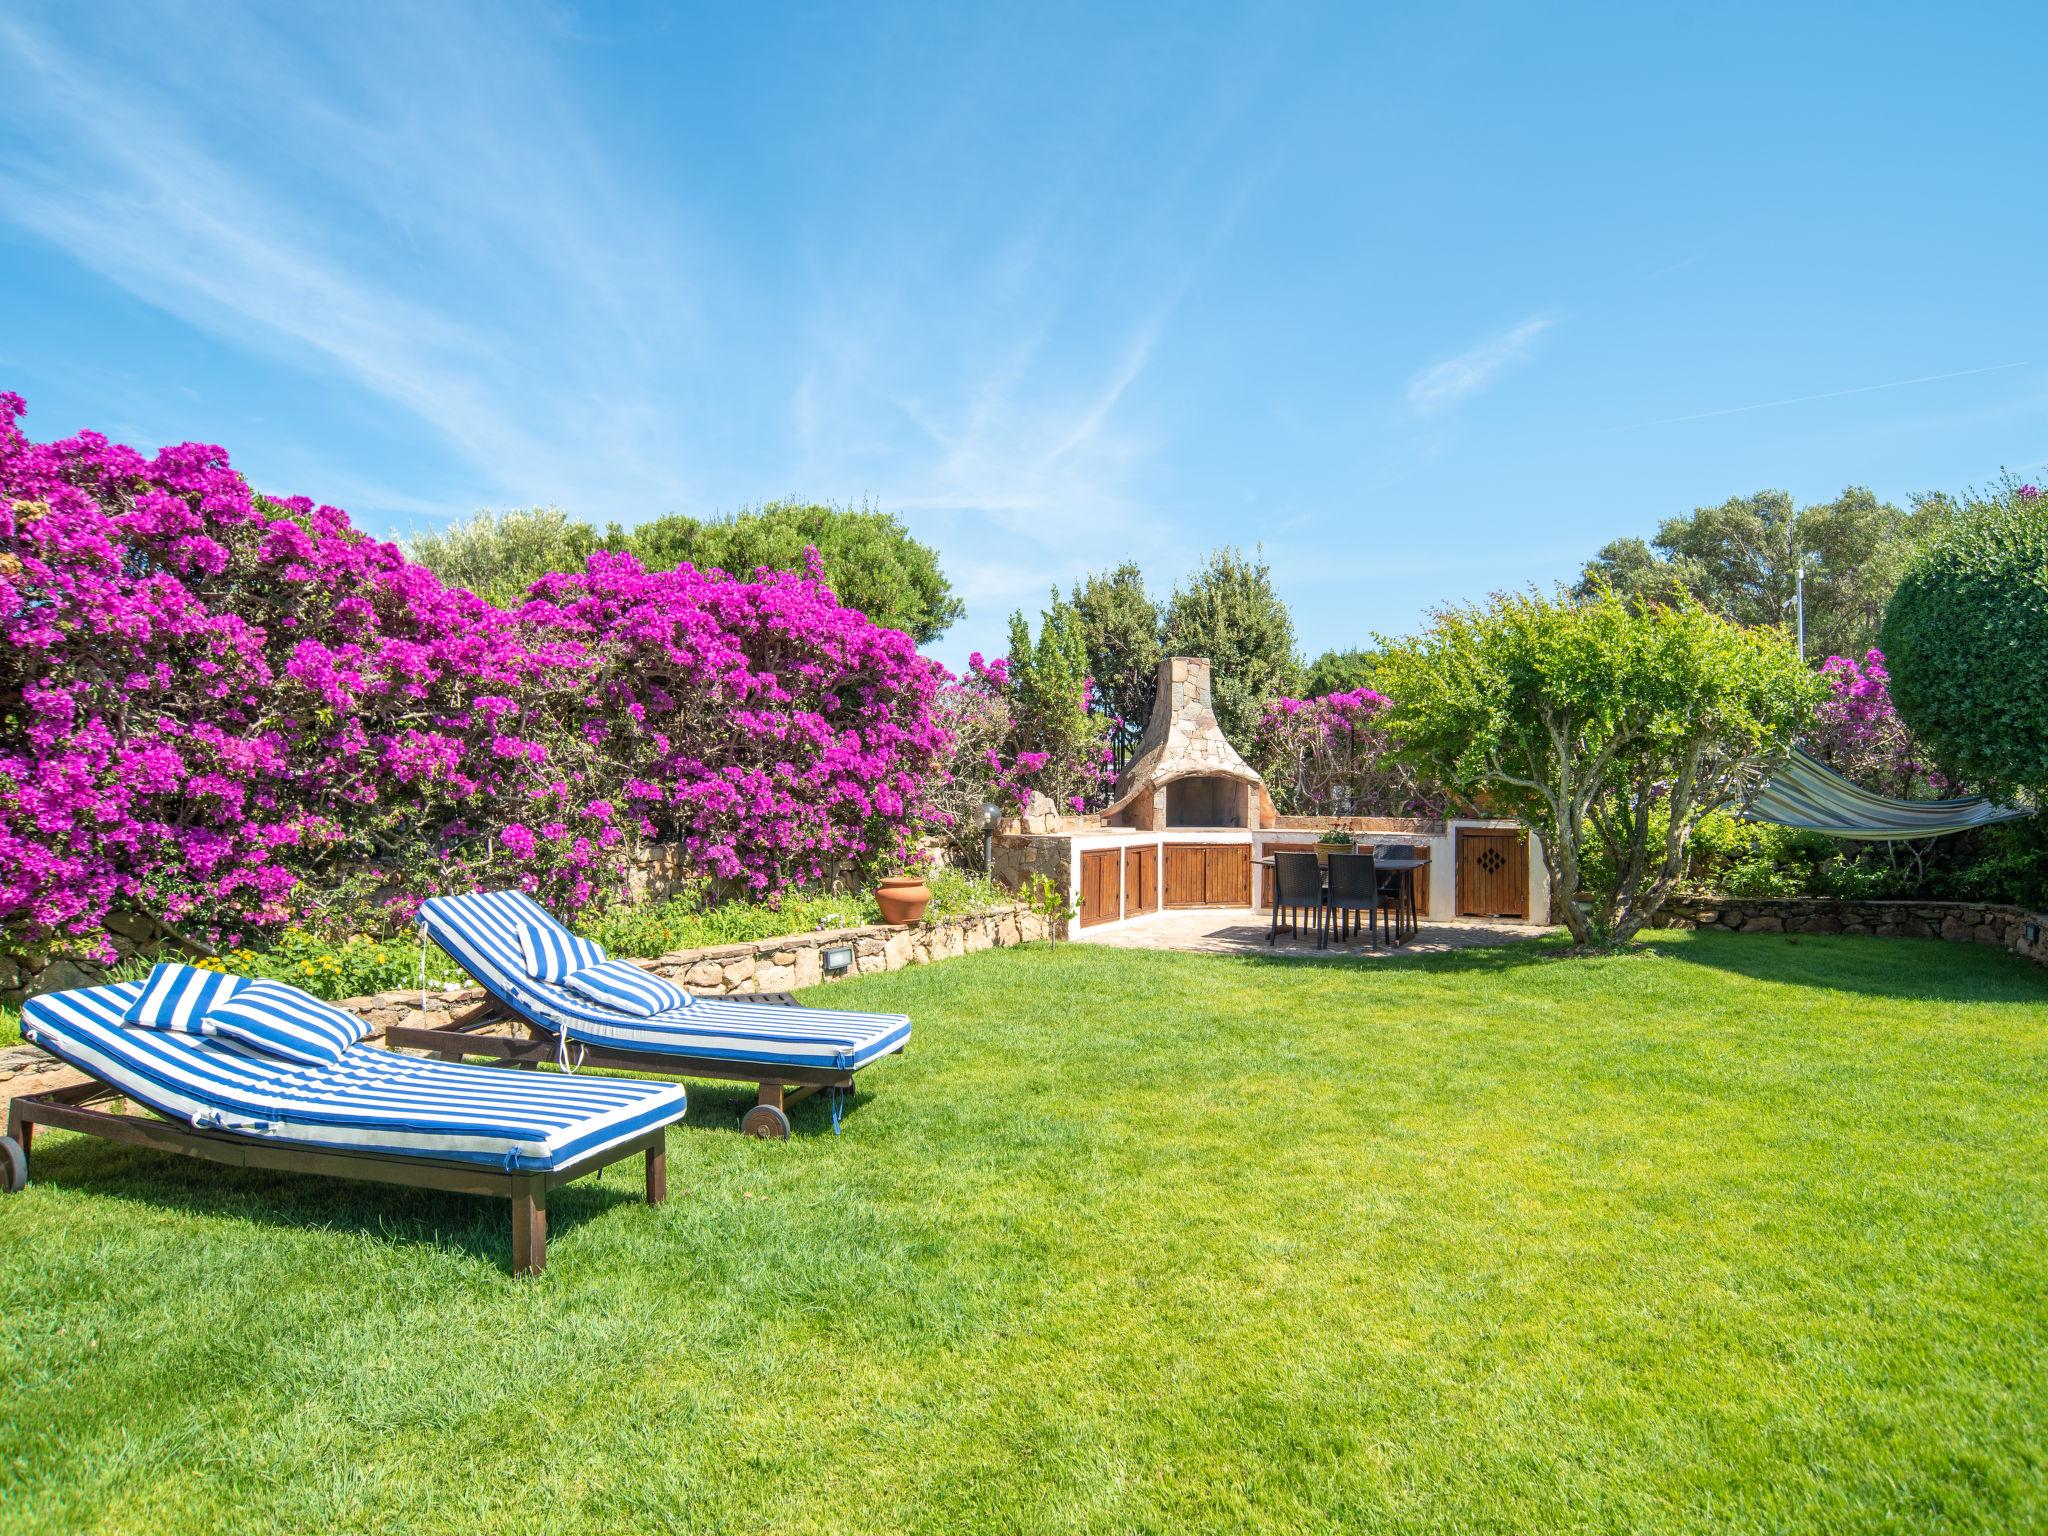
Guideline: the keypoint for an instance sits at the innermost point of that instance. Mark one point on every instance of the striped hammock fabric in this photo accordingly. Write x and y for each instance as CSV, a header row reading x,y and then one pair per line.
x,y
370,1101
481,934
1809,795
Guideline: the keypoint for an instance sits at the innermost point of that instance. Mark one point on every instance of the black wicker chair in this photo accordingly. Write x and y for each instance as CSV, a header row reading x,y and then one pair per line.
x,y
1355,888
1395,884
1297,886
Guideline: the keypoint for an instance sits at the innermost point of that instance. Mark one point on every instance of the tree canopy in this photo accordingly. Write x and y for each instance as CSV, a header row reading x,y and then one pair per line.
x,y
1966,638
1741,560
870,560
1229,612
498,555
1339,672
1598,720
1119,624
1059,742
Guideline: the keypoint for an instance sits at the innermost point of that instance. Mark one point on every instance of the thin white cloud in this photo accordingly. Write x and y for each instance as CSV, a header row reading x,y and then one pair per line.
x,y
1832,394
1477,367
534,364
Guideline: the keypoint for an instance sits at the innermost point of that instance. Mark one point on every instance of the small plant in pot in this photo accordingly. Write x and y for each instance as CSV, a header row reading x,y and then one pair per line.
x,y
903,894
1336,837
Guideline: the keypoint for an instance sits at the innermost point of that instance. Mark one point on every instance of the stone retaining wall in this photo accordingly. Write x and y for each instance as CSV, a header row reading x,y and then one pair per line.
x,y
771,966
1015,857
1960,922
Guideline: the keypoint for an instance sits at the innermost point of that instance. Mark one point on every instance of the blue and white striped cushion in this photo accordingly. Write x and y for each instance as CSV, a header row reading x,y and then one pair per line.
x,y
280,1020
623,985
176,997
370,1101
552,952
480,932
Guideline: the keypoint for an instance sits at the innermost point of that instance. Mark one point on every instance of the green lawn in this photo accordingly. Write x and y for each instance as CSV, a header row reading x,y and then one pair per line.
x,y
1740,1234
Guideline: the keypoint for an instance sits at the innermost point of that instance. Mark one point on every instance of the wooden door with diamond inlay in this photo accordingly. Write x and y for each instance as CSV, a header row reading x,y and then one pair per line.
x,y
1493,872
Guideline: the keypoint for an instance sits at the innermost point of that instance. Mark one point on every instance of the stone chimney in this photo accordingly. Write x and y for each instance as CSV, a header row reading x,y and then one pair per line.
x,y
1185,773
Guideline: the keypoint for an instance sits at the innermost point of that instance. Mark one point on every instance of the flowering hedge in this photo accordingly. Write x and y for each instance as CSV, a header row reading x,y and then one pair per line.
x,y
1858,733
1332,756
227,711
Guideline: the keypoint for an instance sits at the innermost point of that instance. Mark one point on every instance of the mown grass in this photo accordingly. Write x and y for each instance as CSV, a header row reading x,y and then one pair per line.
x,y
1738,1234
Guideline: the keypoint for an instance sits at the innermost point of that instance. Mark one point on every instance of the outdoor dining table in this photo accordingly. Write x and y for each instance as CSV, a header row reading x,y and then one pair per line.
x,y
1404,867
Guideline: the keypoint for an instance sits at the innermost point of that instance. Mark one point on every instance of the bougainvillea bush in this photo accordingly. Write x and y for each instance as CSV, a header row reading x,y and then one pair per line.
x,y
1332,756
225,712
1857,732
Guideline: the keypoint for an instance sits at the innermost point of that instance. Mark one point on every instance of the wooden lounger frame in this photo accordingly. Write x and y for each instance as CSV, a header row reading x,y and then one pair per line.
x,y
464,1036
74,1109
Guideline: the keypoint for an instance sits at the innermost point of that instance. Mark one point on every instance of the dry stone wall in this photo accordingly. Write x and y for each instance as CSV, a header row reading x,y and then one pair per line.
x,y
771,966
1960,922
774,967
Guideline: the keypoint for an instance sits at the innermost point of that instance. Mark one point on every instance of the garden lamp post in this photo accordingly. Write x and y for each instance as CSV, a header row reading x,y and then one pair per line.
x,y
991,813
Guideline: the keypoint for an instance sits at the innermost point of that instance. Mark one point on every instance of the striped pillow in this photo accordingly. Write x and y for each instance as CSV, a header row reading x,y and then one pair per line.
x,y
280,1020
176,997
552,952
623,985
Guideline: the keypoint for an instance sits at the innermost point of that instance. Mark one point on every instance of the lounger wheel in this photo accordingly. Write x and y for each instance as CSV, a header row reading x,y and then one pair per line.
x,y
765,1121
14,1166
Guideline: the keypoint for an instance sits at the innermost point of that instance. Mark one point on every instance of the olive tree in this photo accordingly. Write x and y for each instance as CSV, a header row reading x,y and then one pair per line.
x,y
1598,723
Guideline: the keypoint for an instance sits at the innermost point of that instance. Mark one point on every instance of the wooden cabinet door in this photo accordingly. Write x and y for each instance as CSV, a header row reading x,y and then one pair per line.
x,y
1141,880
1101,883
1187,875
1227,875
1493,873
1208,875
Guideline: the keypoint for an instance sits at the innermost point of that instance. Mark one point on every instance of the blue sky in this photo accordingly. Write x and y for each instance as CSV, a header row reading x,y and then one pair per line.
x,y
1427,303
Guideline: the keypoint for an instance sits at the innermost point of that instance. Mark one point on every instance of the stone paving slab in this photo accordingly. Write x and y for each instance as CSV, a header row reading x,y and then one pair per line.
x,y
1241,931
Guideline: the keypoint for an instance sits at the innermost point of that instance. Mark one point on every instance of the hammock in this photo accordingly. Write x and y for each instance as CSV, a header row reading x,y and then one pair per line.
x,y
1814,798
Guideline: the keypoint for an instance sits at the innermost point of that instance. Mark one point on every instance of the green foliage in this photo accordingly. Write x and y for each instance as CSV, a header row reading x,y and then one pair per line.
x,y
355,966
1051,902
693,920
1590,720
1734,1235
1728,856
870,560
1119,625
1230,613
1048,688
498,555
1966,637
1740,560
1340,672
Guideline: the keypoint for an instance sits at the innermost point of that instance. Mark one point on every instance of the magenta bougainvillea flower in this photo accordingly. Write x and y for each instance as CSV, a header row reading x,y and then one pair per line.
x,y
221,709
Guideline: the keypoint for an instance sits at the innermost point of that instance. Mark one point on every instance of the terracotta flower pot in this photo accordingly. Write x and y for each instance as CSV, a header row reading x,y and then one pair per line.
x,y
902,898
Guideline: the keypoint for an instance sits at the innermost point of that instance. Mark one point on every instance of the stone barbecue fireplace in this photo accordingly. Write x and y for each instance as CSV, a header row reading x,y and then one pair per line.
x,y
1185,773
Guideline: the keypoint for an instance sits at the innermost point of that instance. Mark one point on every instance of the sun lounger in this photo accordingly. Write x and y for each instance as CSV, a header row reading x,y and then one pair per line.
x,y
370,1114
789,1051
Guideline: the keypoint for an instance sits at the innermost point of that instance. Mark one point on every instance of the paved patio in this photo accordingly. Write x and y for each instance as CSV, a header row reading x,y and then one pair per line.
x,y
1242,930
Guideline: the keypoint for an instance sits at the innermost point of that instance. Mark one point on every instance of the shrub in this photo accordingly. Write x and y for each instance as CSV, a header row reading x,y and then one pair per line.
x,y
1332,756
352,967
1966,635
1857,731
212,704
1605,727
